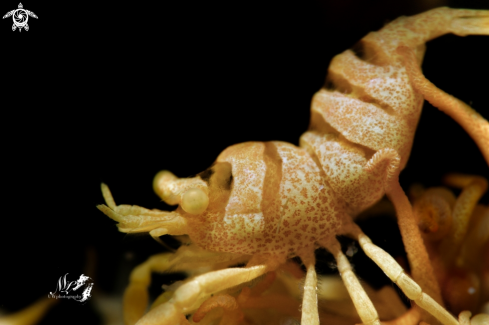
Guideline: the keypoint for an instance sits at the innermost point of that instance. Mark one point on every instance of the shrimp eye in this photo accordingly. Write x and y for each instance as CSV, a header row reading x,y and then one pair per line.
x,y
194,201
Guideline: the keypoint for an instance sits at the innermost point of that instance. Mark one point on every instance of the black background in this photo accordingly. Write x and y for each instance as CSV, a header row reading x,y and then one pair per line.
x,y
115,92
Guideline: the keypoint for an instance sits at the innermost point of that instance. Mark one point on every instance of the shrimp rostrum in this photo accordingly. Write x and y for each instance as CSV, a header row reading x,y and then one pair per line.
x,y
262,203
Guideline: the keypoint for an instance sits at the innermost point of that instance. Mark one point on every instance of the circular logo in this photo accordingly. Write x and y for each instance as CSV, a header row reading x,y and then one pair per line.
x,y
20,17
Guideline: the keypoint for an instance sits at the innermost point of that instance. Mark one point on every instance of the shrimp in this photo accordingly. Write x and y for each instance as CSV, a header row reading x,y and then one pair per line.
x,y
264,203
